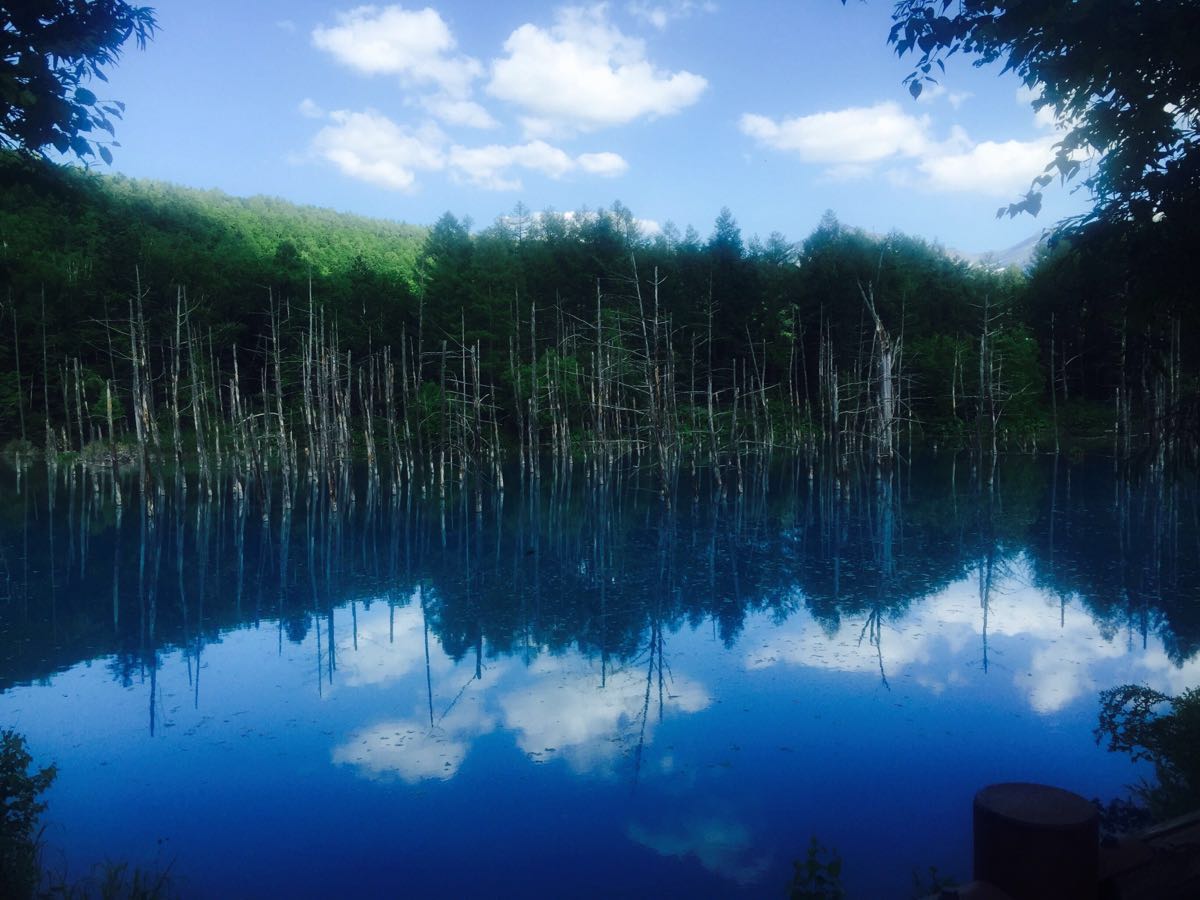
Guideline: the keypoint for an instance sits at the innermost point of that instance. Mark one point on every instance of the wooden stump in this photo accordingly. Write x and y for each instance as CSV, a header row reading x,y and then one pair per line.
x,y
1037,842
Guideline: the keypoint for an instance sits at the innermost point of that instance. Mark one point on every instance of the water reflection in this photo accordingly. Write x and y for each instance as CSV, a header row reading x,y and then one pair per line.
x,y
726,848
555,707
709,679
1055,650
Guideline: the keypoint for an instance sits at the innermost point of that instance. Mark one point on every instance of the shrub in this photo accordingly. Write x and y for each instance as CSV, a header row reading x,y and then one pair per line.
x,y
20,807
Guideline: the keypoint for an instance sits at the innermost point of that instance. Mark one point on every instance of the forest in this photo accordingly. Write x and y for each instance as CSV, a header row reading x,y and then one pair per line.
x,y
150,321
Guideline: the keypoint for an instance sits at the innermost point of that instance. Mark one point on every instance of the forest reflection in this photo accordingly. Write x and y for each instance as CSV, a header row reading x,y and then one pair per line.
x,y
578,582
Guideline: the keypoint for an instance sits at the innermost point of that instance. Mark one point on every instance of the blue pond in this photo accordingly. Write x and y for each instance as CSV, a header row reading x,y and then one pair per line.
x,y
577,689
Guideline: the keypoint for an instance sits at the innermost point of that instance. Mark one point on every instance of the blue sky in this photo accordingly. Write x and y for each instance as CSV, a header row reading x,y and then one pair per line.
x,y
778,110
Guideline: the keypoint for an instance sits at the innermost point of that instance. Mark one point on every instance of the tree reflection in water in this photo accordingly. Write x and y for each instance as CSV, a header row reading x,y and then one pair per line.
x,y
569,563
728,663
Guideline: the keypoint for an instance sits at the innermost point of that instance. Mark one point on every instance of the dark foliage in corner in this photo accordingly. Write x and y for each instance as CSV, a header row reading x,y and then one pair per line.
x,y
1163,730
1121,79
49,51
20,806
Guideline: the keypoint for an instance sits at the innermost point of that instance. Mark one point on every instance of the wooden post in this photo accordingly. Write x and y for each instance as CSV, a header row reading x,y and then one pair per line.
x,y
1036,842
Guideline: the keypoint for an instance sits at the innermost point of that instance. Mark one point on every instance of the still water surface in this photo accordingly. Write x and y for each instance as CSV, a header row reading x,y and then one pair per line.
x,y
573,689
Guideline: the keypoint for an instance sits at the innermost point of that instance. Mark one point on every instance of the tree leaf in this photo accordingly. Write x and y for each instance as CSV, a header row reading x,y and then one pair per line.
x,y
52,53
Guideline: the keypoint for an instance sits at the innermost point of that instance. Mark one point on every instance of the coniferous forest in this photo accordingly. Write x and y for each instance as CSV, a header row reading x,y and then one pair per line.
x,y
149,319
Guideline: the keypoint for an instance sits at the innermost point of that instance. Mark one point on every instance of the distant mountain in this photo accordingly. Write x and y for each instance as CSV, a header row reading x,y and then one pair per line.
x,y
1019,254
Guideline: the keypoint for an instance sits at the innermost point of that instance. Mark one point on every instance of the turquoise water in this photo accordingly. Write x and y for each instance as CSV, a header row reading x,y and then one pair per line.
x,y
577,689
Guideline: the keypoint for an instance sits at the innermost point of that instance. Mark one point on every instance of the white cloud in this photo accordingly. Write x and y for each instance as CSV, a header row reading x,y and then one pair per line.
x,y
389,648
606,164
583,74
403,749
458,111
414,750
660,15
414,44
850,136
389,645
488,166
310,110
1001,168
648,227
565,708
371,147
939,91
419,48
1026,94
720,845
852,142
1054,656
1044,117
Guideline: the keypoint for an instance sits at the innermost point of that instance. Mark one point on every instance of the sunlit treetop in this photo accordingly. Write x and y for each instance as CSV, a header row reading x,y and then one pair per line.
x,y
49,50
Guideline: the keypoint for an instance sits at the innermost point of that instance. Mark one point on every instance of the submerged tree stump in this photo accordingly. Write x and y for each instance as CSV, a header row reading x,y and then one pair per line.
x,y
1034,841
